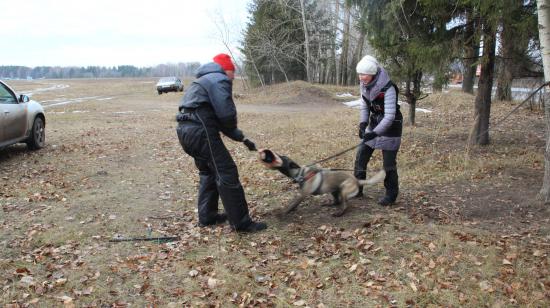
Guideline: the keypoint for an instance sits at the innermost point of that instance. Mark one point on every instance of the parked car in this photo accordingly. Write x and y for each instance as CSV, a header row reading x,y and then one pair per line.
x,y
169,84
21,119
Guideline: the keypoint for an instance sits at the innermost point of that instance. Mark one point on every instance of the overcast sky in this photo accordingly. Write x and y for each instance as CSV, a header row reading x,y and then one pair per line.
x,y
116,32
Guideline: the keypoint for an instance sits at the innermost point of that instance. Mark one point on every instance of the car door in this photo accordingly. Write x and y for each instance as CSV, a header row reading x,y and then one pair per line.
x,y
14,116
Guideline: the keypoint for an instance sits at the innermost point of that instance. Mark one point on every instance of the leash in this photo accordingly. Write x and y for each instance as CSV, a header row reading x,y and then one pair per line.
x,y
335,155
516,108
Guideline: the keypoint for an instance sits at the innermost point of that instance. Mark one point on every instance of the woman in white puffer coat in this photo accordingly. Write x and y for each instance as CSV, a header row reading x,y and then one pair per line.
x,y
380,124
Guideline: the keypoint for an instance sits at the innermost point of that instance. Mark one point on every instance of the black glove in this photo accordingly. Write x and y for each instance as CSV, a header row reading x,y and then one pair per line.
x,y
369,136
362,127
250,145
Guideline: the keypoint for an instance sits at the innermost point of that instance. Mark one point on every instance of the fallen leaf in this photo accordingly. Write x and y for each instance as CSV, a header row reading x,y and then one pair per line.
x,y
506,262
27,281
485,285
60,282
212,283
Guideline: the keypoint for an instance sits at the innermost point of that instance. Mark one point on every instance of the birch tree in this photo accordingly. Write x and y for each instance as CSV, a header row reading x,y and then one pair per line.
x,y
543,11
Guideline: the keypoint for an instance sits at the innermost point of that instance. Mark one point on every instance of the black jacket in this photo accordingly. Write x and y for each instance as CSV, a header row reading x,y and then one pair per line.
x,y
211,96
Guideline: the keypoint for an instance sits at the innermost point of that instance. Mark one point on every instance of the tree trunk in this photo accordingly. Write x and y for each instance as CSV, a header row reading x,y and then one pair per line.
x,y
543,10
437,86
505,77
281,68
318,68
357,56
257,71
335,28
306,37
411,100
345,46
482,114
469,54
417,78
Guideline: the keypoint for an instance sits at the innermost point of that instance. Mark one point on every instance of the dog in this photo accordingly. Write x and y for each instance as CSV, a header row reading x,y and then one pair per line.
x,y
317,181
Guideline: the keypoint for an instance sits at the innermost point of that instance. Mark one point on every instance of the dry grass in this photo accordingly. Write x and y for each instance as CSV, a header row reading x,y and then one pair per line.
x,y
467,230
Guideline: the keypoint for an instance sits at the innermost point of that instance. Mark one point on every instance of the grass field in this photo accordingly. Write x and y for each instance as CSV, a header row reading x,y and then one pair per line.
x,y
467,230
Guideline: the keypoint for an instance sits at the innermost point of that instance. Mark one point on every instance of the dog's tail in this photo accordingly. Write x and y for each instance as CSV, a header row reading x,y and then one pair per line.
x,y
375,179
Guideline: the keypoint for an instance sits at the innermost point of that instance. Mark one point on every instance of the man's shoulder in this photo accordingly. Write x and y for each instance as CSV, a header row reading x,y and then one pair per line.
x,y
213,77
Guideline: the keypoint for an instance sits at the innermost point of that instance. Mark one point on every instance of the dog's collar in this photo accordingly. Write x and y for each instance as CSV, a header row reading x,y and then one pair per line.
x,y
310,174
302,178
318,181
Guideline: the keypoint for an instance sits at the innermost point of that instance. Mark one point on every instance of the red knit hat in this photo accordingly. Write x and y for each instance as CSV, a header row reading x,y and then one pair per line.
x,y
224,60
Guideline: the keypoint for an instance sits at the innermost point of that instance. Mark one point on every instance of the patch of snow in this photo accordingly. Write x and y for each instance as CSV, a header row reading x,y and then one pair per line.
x,y
401,103
104,99
353,104
53,87
72,101
344,95
357,104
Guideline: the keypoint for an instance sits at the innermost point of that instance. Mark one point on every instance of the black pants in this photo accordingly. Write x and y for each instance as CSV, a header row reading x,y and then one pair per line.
x,y
391,182
219,177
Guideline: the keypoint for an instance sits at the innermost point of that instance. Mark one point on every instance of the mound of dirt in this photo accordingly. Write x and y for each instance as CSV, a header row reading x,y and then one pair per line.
x,y
295,92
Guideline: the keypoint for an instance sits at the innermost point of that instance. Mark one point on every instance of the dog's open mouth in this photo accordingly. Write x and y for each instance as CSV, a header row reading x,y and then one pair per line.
x,y
270,159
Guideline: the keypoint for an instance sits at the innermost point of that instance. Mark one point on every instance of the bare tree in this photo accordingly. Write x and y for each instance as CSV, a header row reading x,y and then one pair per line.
x,y
306,37
345,45
543,10
480,133
225,35
470,52
505,76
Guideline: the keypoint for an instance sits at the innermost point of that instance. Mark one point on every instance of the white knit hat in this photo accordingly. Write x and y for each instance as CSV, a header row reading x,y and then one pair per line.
x,y
368,66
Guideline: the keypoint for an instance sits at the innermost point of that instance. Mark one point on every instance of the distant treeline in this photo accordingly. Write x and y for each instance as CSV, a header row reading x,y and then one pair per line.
x,y
52,72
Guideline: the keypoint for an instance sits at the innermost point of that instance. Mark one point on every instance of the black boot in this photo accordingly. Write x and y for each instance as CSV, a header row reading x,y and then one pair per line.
x,y
254,226
218,219
386,200
360,193
391,183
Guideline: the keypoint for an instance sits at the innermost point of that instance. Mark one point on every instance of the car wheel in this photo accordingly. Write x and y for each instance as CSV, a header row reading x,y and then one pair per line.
x,y
160,92
37,139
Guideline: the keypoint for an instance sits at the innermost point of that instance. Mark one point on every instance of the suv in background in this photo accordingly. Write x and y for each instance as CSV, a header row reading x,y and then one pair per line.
x,y
21,119
169,84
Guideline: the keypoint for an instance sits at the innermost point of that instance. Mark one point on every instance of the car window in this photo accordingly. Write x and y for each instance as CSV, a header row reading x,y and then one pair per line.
x,y
6,96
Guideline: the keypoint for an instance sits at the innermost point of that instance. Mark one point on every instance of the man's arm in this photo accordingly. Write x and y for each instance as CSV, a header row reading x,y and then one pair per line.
x,y
224,107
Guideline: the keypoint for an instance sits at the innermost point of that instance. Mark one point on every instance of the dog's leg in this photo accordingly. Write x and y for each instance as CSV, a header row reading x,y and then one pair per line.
x,y
294,204
336,199
343,207
347,189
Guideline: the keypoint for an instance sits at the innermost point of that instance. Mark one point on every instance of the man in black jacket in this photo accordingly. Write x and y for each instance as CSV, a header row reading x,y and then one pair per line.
x,y
207,109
